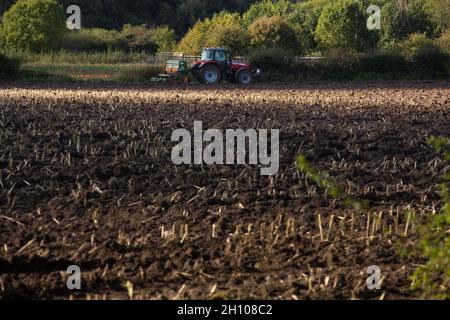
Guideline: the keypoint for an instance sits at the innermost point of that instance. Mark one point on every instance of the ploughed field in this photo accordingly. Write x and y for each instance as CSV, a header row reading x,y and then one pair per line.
x,y
86,178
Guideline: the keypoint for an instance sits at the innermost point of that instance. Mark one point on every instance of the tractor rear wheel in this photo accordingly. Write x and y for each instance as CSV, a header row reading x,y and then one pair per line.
x,y
210,74
245,77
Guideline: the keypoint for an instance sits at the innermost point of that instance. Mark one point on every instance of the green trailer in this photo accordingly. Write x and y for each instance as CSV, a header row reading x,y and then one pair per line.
x,y
176,71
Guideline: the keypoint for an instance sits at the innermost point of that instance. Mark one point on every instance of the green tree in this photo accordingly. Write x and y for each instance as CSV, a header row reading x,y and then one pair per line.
x,y
164,37
307,14
417,44
402,18
267,8
342,24
195,38
273,31
439,11
33,25
232,37
214,32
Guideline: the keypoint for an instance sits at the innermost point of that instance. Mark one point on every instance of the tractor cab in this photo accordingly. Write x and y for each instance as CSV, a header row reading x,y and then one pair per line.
x,y
216,54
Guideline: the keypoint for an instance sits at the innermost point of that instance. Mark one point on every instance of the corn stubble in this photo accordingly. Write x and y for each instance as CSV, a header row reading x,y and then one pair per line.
x,y
86,178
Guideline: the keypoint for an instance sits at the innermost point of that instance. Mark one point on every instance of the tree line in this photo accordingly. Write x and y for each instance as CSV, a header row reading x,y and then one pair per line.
x,y
179,15
241,25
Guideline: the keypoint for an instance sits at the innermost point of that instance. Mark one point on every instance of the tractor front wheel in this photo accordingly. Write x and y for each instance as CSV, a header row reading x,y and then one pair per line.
x,y
210,74
245,77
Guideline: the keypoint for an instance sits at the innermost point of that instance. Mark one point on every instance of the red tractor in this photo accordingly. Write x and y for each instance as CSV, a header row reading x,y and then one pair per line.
x,y
216,64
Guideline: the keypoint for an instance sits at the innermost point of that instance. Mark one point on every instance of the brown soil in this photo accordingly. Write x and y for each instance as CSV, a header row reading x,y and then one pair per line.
x,y
87,179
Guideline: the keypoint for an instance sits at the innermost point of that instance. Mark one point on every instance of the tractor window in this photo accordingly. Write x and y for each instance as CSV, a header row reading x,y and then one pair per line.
x,y
208,55
220,56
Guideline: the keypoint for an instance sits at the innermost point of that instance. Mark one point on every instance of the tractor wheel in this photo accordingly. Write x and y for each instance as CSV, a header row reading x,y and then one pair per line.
x,y
210,74
245,77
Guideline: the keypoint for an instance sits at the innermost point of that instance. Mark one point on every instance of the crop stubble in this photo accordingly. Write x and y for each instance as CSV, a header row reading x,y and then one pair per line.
x,y
86,179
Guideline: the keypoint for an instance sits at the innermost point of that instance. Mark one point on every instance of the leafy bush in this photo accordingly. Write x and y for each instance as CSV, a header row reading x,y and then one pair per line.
x,y
271,60
384,62
33,25
273,31
434,277
136,38
341,64
426,56
434,63
443,42
417,44
9,67
164,37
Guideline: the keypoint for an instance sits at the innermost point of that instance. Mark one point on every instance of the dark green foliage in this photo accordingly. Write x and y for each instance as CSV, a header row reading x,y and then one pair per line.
x,y
271,59
426,56
9,68
383,62
433,278
180,15
433,62
130,38
340,64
